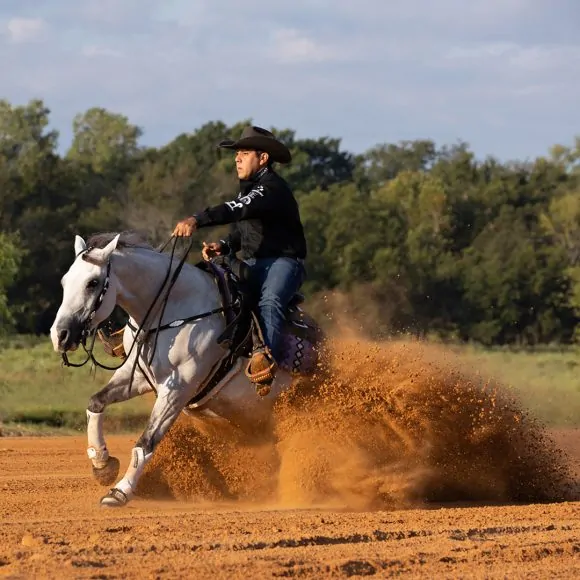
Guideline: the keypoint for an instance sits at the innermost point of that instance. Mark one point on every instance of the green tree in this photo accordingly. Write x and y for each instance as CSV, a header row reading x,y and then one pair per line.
x,y
104,141
27,159
420,259
561,222
384,162
10,256
483,250
516,287
317,164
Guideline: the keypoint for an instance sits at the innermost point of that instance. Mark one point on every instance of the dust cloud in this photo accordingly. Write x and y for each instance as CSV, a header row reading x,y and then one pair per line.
x,y
382,425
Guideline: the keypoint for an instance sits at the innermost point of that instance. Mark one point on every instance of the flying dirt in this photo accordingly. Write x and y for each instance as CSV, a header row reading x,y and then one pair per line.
x,y
380,426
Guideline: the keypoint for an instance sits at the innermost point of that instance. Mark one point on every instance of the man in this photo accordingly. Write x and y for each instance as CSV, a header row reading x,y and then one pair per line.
x,y
266,227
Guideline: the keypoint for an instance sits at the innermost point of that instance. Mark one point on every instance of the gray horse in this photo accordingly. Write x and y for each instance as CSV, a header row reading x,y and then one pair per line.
x,y
115,269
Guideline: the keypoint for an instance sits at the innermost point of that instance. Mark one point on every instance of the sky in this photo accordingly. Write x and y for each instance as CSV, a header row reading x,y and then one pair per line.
x,y
502,75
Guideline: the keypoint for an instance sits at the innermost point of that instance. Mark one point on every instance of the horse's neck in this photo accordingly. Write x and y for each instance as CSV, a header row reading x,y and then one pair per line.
x,y
140,274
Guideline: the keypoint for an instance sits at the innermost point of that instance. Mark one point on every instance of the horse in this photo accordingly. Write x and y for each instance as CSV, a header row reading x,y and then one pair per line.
x,y
172,349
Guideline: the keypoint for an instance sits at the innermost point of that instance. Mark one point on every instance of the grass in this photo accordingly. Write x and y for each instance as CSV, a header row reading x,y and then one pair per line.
x,y
39,396
545,380
38,393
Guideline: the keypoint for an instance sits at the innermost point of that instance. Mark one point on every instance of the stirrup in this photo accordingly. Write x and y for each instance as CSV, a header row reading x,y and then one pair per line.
x,y
265,375
113,344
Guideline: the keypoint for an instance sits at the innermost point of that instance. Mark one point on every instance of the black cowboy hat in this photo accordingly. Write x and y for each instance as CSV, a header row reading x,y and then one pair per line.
x,y
259,139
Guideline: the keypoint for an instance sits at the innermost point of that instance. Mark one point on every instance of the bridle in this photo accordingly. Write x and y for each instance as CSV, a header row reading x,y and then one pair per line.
x,y
99,299
140,335
86,332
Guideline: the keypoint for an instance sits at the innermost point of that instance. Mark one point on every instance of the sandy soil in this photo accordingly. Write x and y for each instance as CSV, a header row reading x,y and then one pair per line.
x,y
400,465
52,527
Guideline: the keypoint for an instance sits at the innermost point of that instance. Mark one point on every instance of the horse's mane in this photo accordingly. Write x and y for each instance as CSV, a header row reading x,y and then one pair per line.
x,y
128,239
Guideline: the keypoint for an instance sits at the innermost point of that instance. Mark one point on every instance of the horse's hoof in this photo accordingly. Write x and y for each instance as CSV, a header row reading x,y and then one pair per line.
x,y
115,498
108,474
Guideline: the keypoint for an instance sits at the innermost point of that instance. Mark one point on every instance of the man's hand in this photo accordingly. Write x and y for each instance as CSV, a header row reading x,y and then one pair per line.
x,y
185,227
210,250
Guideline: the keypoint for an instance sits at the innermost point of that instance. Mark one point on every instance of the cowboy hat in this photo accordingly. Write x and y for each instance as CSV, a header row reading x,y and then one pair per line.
x,y
259,139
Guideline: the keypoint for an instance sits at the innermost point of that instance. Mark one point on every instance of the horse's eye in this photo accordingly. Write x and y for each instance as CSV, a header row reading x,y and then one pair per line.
x,y
93,283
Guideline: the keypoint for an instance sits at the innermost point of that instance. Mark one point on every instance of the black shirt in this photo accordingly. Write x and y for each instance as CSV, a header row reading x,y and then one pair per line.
x,y
265,218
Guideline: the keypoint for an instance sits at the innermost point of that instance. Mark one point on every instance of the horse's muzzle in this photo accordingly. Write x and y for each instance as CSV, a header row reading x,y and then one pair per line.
x,y
69,336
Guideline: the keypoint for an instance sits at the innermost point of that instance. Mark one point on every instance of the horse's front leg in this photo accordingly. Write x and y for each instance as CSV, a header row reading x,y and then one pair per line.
x,y
172,397
119,388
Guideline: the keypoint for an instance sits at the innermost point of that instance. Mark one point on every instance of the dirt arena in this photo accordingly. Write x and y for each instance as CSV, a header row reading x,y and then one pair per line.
x,y
392,462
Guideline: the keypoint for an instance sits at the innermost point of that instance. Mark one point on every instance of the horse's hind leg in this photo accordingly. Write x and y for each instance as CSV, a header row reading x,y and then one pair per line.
x,y
118,389
172,397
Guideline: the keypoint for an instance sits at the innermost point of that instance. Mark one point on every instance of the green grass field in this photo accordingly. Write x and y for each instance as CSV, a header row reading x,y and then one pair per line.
x,y
40,396
546,380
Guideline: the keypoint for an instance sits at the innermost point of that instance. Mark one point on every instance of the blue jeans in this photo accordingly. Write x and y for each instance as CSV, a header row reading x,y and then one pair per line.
x,y
273,282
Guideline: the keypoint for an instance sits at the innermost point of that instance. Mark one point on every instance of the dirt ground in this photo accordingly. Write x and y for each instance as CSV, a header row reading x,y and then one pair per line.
x,y
52,527
392,461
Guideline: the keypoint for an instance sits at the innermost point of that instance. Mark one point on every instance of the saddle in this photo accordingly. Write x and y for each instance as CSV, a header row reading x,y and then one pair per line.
x,y
243,334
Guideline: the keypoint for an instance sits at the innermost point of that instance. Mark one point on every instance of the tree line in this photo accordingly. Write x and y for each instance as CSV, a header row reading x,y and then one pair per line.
x,y
446,244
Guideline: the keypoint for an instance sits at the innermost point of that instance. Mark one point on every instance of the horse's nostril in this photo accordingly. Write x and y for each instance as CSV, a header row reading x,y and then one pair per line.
x,y
63,336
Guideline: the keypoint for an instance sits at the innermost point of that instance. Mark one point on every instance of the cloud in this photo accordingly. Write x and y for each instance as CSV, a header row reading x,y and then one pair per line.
x,y
368,71
536,58
23,30
531,58
92,51
503,72
291,46
481,51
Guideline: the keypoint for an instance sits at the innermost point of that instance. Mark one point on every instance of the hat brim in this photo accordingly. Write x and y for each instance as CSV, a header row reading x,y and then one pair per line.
x,y
275,149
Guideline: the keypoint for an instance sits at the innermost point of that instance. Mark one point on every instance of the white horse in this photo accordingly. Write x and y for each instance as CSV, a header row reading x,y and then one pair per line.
x,y
115,269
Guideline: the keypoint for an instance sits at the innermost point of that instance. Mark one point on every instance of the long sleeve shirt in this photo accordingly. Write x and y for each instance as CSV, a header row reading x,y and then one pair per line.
x,y
265,218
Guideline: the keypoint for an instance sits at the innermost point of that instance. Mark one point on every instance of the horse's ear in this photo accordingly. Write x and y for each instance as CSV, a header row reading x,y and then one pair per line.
x,y
80,245
101,255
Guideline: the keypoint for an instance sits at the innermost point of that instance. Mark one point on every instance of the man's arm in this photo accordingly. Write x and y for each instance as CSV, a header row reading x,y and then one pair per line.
x,y
258,202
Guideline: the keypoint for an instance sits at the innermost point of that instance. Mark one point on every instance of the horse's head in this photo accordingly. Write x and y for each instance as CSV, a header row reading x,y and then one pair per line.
x,y
89,295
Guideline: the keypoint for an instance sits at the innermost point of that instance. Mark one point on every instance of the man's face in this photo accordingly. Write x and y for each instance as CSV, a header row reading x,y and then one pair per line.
x,y
249,162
